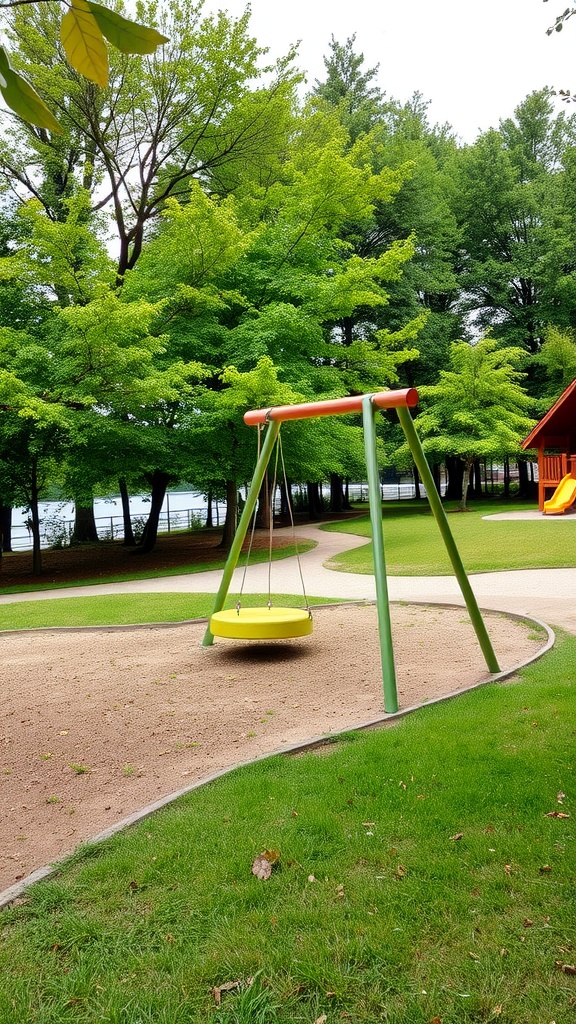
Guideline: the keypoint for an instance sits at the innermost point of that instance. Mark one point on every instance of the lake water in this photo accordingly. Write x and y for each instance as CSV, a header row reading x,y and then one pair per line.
x,y
181,510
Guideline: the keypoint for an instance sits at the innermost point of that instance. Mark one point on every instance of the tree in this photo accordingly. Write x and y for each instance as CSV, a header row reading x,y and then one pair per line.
x,y
517,248
349,89
163,121
190,113
561,19
267,276
399,137
83,30
558,358
34,425
478,408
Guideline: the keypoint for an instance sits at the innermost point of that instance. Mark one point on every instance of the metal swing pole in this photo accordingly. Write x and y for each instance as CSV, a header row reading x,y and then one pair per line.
x,y
453,553
242,528
382,600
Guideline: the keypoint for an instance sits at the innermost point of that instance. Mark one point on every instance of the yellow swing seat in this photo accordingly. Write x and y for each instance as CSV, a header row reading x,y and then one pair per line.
x,y
261,623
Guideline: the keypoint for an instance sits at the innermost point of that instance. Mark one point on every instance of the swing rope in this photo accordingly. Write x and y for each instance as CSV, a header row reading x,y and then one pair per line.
x,y
252,529
279,454
294,539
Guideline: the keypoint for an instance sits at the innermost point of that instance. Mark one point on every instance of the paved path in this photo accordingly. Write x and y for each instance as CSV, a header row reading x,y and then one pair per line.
x,y
546,594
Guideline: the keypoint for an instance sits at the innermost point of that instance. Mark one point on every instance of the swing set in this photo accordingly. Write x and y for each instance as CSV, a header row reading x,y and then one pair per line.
x,y
282,623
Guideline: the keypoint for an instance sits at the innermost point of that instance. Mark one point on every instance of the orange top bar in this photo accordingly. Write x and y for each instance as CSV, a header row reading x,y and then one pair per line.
x,y
332,407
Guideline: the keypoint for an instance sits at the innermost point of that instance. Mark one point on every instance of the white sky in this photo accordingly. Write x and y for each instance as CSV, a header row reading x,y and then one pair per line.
x,y
474,60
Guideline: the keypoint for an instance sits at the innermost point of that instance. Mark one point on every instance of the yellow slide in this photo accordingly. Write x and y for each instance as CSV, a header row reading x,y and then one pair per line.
x,y
563,497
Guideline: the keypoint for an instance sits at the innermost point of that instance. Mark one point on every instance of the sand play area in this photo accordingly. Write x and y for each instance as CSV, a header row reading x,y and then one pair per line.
x,y
97,724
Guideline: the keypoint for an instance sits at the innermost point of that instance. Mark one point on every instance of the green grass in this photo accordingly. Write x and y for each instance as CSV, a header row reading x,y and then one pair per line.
x,y
414,546
420,879
256,557
129,609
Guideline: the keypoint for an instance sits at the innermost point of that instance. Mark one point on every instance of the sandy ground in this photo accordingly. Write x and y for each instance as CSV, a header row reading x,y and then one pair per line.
x,y
97,724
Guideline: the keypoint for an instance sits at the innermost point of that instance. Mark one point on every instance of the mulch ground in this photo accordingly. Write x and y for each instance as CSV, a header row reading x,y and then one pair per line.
x,y
98,562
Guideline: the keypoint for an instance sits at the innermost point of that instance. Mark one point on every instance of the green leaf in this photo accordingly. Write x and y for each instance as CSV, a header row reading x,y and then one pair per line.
x,y
84,44
126,36
22,98
4,64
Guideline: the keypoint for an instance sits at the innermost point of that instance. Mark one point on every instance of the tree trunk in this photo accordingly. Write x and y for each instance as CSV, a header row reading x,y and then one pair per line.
x,y
475,482
455,474
436,474
35,522
524,484
264,510
506,477
336,494
5,528
85,531
129,538
417,492
158,484
465,484
314,501
285,500
231,513
209,514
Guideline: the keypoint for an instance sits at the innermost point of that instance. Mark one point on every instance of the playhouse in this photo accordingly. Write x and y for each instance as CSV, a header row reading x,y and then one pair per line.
x,y
555,439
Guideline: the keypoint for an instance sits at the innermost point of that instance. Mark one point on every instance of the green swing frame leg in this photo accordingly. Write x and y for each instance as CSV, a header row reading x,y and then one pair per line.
x,y
382,602
453,553
242,528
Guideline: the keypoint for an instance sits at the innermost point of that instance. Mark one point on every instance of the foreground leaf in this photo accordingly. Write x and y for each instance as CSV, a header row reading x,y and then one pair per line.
x,y
127,36
262,868
229,986
84,43
23,99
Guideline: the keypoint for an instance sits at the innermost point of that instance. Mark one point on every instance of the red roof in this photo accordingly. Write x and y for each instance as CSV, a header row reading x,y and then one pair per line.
x,y
559,421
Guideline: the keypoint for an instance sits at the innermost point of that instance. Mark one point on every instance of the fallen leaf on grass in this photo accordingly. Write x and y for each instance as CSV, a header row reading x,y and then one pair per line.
x,y
556,814
545,869
560,796
229,986
262,868
458,835
321,1020
400,871
567,968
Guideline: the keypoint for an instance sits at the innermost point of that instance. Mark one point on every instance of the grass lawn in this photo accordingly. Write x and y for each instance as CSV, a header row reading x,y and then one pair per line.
x,y
425,876
414,546
258,555
129,609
